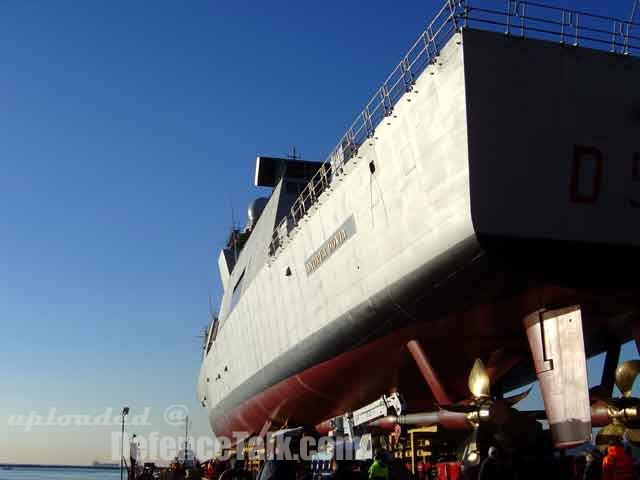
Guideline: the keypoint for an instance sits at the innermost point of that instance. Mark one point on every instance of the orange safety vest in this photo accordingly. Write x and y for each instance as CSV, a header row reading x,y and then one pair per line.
x,y
617,465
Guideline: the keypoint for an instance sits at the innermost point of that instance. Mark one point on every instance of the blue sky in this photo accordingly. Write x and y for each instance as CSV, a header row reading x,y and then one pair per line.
x,y
127,129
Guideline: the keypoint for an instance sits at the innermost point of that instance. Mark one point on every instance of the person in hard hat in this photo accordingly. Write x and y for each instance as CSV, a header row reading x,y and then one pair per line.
x,y
379,468
618,464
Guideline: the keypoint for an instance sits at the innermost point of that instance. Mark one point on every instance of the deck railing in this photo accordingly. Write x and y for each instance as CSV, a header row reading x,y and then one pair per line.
x,y
515,18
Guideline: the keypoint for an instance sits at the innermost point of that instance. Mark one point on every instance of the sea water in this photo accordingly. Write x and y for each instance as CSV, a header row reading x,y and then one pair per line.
x,y
34,473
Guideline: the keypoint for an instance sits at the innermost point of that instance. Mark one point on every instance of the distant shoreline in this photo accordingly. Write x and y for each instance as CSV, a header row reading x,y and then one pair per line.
x,y
38,465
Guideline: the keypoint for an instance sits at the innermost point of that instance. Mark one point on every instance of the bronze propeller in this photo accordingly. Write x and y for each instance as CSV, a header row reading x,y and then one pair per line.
x,y
482,409
624,411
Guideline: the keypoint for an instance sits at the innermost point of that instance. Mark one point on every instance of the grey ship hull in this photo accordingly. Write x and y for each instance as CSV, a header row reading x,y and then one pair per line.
x,y
468,214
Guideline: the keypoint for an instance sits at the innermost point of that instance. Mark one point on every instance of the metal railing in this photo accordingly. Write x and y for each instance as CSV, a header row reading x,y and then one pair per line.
x,y
562,25
516,18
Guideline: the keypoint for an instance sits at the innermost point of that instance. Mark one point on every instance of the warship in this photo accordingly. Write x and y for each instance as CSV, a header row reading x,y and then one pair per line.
x,y
481,214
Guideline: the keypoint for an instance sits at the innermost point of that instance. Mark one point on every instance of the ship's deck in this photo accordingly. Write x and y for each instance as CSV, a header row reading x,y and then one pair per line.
x,y
516,18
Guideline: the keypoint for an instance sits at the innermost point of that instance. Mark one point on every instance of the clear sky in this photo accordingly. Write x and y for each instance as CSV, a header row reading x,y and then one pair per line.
x,y
127,129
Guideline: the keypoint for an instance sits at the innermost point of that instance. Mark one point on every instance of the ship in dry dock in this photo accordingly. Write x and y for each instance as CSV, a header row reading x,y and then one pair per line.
x,y
477,227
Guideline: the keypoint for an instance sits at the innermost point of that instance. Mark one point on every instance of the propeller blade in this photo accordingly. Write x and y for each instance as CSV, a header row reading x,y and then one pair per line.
x,y
616,402
479,381
625,402
626,374
613,431
469,452
511,401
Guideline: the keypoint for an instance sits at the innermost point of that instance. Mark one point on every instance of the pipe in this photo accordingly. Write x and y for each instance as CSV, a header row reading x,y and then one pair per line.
x,y
443,418
324,427
600,414
458,421
428,373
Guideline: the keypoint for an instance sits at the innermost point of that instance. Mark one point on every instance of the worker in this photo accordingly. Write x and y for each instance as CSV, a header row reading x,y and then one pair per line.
x,y
618,464
593,467
398,470
147,473
209,470
379,468
492,467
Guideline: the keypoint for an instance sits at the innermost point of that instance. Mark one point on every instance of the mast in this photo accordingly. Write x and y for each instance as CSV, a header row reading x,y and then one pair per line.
x,y
186,438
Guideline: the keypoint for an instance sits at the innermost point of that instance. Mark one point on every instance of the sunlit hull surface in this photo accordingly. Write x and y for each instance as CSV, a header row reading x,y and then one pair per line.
x,y
475,203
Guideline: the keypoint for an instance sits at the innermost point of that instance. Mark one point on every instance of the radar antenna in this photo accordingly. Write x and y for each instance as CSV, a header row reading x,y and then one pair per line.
x,y
294,155
234,240
206,330
211,315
